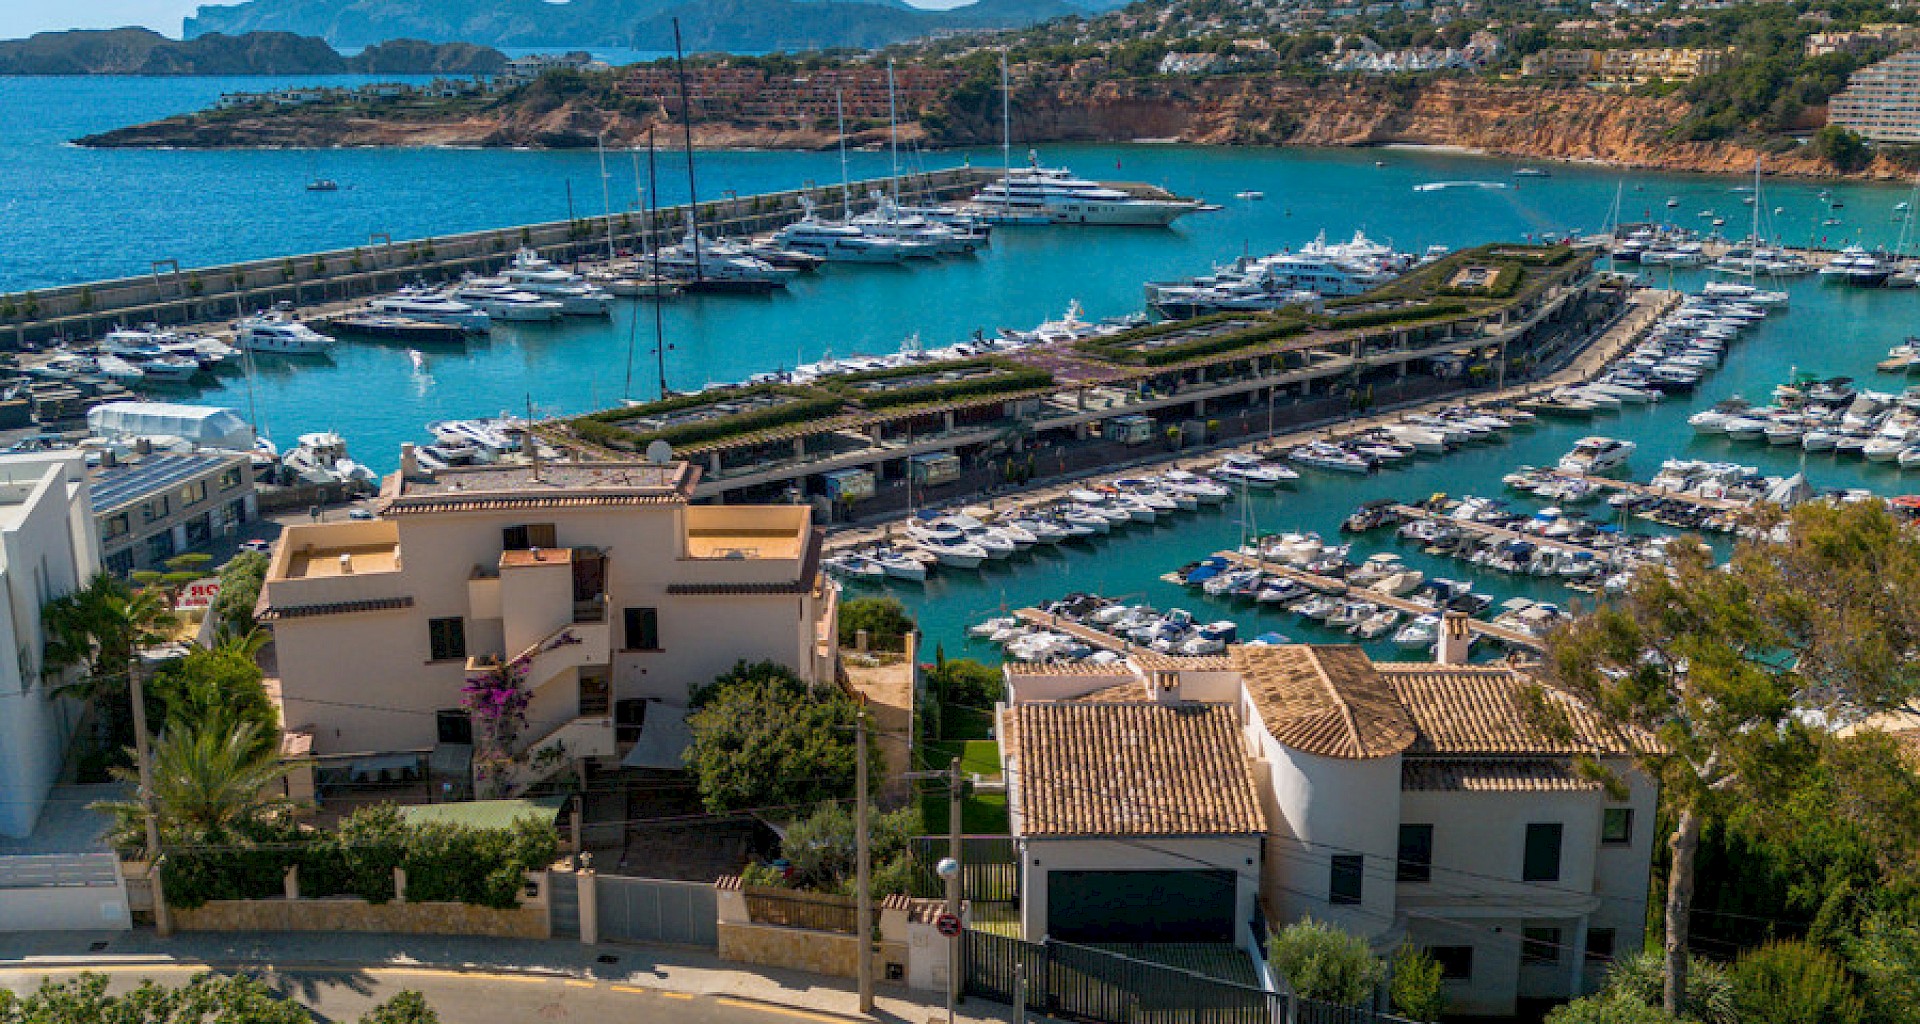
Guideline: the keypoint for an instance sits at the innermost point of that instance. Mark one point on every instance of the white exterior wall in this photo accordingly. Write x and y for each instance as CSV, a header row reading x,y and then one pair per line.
x,y
381,658
1238,854
1319,807
49,548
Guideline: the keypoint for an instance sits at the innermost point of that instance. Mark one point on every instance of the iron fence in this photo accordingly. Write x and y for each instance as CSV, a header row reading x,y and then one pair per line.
x,y
813,911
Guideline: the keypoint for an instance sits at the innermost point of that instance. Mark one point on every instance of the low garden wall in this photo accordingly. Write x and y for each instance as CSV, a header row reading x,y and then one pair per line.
x,y
357,915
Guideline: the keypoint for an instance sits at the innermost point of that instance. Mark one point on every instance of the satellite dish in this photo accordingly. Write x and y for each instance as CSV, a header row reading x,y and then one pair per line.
x,y
659,453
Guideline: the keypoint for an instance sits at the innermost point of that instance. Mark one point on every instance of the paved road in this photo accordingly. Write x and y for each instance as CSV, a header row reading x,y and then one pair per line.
x,y
343,994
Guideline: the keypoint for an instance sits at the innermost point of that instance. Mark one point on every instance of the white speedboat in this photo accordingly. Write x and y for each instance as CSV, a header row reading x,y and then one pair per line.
x,y
321,458
1597,455
529,272
504,302
433,307
1241,470
275,332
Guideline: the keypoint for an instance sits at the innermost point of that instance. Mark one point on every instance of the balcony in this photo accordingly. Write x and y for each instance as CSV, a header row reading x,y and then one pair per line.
x,y
547,756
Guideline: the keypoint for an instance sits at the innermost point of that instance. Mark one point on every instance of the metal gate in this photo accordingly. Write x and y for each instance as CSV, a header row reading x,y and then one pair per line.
x,y
657,910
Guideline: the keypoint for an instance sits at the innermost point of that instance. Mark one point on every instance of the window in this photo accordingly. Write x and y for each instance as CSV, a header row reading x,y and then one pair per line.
x,y
193,494
1416,854
446,639
1600,944
237,511
533,535
230,479
1542,863
454,725
1539,946
1616,826
160,546
1456,962
116,526
119,563
1349,871
643,629
155,510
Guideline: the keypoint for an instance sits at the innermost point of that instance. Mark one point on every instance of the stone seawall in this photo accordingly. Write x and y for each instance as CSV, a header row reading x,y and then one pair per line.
x,y
173,295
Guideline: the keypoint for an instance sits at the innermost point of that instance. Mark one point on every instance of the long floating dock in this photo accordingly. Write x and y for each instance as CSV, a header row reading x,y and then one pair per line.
x,y
1503,533
1510,637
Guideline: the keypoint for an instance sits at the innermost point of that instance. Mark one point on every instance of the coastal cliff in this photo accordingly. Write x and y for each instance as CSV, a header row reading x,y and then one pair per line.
x,y
1521,121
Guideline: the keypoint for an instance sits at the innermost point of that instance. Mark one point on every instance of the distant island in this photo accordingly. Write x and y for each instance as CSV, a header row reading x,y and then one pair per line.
x,y
738,26
139,51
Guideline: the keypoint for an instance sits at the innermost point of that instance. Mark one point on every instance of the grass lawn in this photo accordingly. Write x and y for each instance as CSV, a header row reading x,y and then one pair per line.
x,y
981,814
977,757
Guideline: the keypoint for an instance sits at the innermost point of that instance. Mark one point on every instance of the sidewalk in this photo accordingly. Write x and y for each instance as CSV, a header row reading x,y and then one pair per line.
x,y
667,968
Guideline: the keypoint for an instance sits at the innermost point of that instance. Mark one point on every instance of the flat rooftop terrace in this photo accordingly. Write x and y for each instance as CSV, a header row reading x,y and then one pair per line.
x,y
353,560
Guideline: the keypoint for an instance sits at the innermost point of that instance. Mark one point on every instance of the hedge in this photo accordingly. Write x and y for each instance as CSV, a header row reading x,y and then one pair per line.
x,y
604,427
1022,378
1400,314
444,862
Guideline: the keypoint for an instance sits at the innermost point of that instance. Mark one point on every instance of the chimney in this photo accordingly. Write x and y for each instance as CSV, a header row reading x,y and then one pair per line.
x,y
409,465
1456,639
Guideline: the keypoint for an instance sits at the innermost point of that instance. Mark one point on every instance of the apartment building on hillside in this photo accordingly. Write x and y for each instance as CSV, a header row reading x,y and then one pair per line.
x,y
1404,802
1881,101
598,586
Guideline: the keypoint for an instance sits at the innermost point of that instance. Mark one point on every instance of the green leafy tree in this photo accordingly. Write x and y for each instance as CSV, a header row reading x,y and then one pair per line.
x,y
220,687
1722,667
206,999
1320,961
1886,956
209,782
820,848
884,618
1415,987
967,682
763,738
1794,983
240,583
1846,151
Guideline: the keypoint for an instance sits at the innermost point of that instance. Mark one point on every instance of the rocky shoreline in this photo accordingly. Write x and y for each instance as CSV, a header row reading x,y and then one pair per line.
x,y
1520,121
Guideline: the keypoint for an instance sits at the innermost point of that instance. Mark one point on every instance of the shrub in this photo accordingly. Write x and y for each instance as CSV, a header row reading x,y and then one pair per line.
x,y
1643,978
1323,962
967,682
240,583
1794,983
762,738
1415,987
1610,1008
884,618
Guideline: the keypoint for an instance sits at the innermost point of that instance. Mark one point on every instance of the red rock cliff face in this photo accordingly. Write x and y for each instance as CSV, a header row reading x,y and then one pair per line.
x,y
1568,123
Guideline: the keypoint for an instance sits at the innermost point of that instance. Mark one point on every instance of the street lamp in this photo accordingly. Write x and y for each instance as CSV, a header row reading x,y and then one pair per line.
x,y
949,871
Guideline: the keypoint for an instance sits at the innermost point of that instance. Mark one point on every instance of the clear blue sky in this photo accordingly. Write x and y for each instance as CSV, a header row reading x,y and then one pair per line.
x,y
25,17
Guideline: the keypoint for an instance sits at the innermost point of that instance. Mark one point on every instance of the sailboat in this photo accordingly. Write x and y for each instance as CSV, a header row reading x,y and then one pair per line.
x,y
1750,267
316,183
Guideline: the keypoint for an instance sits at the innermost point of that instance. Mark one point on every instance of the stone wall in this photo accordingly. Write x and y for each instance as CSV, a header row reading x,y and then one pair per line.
x,y
357,915
800,949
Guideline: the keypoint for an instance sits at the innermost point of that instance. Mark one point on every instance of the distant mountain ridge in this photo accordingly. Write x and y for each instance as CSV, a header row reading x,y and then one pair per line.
x,y
733,25
139,51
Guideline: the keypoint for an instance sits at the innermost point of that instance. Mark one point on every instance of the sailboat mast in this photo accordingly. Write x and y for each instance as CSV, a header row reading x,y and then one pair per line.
x,y
686,131
1753,249
659,326
606,192
1006,131
846,186
893,138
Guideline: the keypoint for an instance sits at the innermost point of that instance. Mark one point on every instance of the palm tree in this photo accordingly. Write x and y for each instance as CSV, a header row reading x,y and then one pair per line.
x,y
101,627
208,780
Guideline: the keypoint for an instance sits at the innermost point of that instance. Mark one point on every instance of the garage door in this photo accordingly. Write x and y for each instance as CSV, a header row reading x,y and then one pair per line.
x,y
1140,906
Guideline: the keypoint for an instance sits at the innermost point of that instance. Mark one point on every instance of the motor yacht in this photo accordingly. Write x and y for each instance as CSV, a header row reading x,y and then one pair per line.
x,y
505,303
1053,195
433,307
275,332
529,272
1594,455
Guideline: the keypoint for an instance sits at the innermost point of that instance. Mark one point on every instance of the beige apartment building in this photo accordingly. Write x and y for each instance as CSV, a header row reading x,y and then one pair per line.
x,y
1628,65
598,587
1881,101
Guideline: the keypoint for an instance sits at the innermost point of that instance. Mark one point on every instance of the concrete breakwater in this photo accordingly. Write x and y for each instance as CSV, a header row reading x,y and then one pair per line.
x,y
173,295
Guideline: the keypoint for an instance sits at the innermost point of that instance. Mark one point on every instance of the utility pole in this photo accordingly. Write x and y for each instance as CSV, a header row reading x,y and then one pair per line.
x,y
863,865
953,884
162,916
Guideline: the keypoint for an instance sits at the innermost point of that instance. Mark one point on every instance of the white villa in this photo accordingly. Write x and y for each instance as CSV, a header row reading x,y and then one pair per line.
x,y
597,585
1414,803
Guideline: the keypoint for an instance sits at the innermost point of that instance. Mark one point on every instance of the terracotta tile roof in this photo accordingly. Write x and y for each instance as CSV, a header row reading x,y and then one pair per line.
x,y
1482,710
1324,700
1129,692
1071,668
272,613
1131,769
1491,775
1199,663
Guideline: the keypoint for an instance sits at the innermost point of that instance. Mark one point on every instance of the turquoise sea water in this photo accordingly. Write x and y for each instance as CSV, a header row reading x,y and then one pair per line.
x,y
68,214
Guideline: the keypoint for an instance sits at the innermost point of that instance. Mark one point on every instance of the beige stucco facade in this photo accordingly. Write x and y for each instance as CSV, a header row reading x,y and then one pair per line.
x,y
600,583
